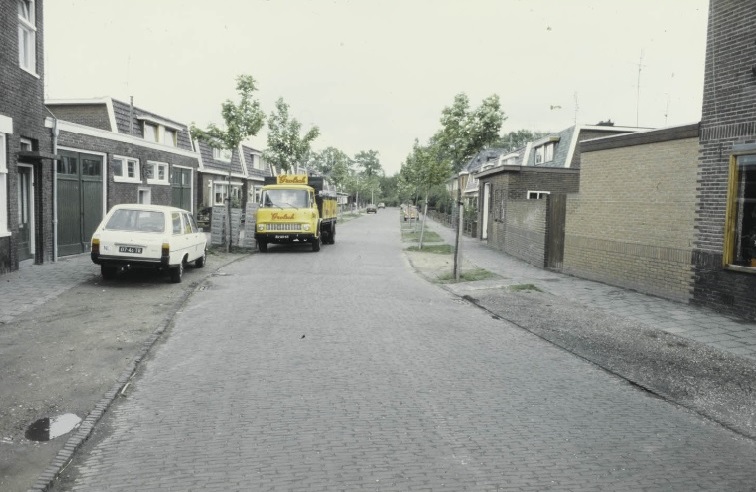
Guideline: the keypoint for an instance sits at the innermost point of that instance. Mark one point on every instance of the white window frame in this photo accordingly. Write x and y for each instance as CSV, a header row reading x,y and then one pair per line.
x,y
545,153
124,177
152,169
147,124
169,136
222,188
537,195
4,232
27,36
223,155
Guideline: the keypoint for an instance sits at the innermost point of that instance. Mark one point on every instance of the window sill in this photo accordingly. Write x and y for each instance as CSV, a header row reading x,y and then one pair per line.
x,y
738,268
33,74
5,233
157,182
119,179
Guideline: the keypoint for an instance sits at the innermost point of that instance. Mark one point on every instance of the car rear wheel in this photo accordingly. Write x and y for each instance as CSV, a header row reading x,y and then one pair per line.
x,y
200,262
108,272
177,273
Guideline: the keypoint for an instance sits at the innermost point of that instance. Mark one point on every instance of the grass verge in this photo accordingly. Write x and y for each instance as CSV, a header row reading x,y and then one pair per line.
x,y
467,276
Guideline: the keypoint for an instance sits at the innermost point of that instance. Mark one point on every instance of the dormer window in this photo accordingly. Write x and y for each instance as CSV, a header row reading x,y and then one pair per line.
x,y
150,132
223,155
544,153
159,131
27,36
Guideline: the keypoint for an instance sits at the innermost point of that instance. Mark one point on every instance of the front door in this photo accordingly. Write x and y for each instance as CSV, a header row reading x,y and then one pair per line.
x,y
25,212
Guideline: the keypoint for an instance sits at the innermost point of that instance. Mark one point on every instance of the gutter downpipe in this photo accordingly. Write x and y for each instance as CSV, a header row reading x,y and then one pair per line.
x,y
55,132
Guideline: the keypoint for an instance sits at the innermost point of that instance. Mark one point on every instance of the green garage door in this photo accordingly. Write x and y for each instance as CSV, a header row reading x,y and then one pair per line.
x,y
181,183
79,200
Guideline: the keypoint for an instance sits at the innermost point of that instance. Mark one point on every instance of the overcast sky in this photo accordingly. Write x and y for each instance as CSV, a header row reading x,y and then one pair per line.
x,y
376,74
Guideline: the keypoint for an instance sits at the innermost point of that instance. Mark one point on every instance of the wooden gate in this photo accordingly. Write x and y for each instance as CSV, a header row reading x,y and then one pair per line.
x,y
79,180
556,213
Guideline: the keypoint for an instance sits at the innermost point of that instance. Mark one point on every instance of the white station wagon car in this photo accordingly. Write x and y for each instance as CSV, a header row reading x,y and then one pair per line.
x,y
148,236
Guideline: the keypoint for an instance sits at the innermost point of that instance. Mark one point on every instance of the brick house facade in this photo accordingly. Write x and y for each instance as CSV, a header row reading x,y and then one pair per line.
x,y
631,225
725,275
26,139
113,152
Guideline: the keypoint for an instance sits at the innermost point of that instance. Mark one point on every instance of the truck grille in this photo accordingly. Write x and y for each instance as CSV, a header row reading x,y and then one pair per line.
x,y
284,227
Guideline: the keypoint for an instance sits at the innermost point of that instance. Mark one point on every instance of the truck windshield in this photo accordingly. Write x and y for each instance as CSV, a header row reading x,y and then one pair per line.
x,y
285,198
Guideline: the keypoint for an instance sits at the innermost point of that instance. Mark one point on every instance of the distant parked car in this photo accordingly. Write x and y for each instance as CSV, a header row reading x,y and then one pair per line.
x,y
150,237
372,209
410,213
381,205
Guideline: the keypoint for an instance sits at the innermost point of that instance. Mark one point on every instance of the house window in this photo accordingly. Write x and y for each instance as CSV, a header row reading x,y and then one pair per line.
x,y
126,169
27,36
740,230
3,186
169,137
222,154
537,195
220,193
544,153
156,172
150,132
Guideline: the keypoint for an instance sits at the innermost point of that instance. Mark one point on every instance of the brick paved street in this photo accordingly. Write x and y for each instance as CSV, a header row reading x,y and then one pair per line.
x,y
343,370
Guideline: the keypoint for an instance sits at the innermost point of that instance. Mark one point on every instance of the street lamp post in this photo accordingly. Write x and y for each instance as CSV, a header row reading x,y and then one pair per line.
x,y
460,225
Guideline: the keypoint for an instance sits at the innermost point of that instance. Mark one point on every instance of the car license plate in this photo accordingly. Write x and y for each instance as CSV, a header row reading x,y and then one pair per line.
x,y
130,249
282,236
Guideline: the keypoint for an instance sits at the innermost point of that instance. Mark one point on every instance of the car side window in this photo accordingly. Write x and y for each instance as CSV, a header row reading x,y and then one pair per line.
x,y
176,219
188,229
190,218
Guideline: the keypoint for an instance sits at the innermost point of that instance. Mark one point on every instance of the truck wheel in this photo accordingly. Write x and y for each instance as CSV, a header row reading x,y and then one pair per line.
x,y
262,246
332,236
316,244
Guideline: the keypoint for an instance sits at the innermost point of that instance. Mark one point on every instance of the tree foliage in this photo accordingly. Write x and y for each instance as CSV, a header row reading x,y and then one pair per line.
x,y
465,131
242,120
333,163
287,147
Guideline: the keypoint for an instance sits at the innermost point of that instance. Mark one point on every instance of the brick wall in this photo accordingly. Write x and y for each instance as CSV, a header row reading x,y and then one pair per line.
x,y
631,225
526,230
22,100
94,115
119,192
728,118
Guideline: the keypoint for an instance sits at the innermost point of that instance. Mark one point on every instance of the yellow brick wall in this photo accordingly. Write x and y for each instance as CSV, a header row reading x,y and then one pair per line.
x,y
631,225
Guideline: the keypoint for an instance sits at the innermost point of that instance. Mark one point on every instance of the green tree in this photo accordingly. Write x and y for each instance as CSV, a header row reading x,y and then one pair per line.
x,y
370,171
333,163
242,120
287,148
465,131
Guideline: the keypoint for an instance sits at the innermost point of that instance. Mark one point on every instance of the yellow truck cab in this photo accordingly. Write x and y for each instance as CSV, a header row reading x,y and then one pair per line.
x,y
296,208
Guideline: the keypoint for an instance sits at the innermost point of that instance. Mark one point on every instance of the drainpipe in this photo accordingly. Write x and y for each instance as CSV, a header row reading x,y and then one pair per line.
x,y
55,132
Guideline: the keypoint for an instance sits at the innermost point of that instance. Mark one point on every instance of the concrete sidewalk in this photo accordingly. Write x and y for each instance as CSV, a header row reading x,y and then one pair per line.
x,y
734,336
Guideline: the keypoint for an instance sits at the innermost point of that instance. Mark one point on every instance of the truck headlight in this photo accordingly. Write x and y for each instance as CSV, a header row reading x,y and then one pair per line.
x,y
261,227
305,227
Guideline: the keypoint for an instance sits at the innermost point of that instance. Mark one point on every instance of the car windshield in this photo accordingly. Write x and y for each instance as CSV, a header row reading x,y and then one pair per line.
x,y
285,198
136,220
